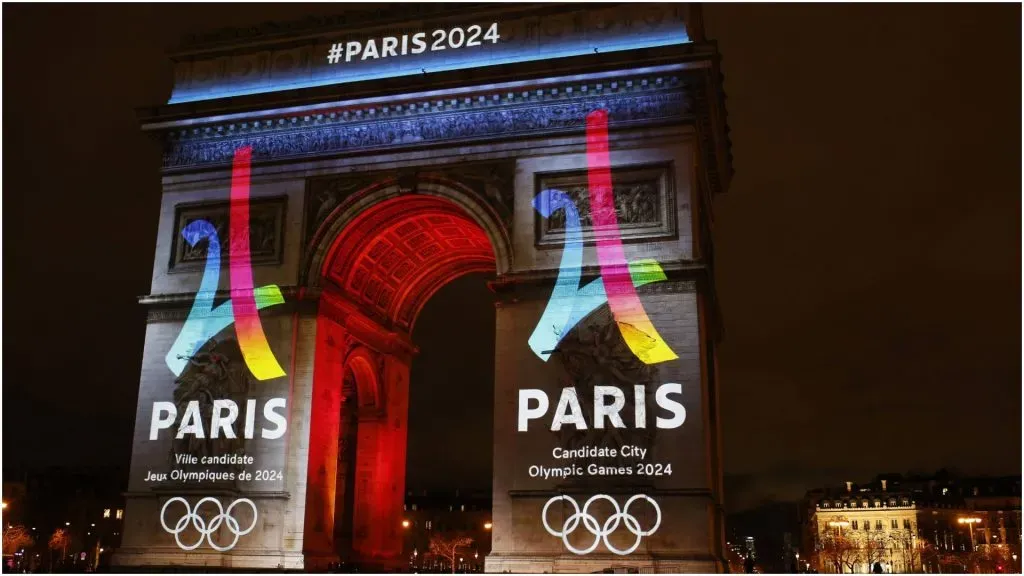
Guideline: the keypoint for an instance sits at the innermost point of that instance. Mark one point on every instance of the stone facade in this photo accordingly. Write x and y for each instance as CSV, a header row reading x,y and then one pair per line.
x,y
366,207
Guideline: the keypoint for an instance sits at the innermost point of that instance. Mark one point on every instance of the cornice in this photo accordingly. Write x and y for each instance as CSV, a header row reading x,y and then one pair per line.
x,y
688,277
176,307
637,99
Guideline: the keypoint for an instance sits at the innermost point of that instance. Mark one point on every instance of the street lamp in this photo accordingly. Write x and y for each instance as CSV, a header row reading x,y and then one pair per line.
x,y
970,522
405,523
487,525
3,506
840,524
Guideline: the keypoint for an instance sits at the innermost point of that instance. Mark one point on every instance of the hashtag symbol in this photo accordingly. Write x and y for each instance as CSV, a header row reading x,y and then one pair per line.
x,y
334,55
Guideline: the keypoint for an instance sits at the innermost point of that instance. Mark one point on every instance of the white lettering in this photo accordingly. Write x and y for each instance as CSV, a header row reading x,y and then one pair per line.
x,y
250,417
568,411
274,418
640,405
525,412
611,411
388,47
191,422
533,404
157,423
455,38
219,422
666,403
352,49
371,47
419,45
223,417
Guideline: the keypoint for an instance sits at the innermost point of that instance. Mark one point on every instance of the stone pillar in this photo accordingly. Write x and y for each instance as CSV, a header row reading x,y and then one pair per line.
x,y
380,482
688,536
325,425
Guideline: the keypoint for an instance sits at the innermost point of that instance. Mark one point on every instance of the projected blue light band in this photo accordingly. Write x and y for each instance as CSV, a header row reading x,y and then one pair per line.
x,y
321,73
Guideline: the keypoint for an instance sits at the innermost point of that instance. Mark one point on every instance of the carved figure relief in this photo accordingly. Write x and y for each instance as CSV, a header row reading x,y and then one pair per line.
x,y
644,204
594,354
217,371
266,232
659,102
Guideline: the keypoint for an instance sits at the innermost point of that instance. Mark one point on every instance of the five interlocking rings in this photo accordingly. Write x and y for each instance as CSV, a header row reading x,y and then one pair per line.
x,y
206,531
601,532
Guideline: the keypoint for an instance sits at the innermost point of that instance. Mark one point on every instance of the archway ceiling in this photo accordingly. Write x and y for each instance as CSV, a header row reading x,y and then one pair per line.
x,y
395,255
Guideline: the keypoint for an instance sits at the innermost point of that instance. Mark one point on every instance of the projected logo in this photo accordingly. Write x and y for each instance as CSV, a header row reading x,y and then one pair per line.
x,y
207,527
204,320
601,531
570,303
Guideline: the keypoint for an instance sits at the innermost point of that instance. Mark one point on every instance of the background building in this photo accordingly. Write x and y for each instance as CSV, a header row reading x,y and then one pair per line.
x,y
446,515
914,524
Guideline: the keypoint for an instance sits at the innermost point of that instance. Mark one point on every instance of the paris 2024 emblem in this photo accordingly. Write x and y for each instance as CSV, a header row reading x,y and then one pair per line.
x,y
568,305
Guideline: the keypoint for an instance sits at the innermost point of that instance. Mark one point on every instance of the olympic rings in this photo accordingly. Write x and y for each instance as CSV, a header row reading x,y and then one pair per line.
x,y
591,524
206,532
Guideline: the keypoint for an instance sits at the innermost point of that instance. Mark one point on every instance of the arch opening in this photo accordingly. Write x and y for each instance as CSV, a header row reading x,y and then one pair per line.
x,y
380,270
390,259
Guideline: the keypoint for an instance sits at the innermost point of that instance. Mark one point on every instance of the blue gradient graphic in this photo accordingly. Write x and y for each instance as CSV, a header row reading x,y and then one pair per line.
x,y
320,73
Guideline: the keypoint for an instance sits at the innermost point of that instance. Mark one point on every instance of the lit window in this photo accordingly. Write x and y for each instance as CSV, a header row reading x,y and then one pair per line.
x,y
945,491
428,524
106,512
462,508
413,506
864,504
878,504
120,513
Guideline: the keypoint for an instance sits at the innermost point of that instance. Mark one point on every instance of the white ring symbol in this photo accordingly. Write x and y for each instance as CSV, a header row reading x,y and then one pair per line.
x,y
594,527
206,532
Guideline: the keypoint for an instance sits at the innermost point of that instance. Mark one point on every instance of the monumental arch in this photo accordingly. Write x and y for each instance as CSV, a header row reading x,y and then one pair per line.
x,y
347,184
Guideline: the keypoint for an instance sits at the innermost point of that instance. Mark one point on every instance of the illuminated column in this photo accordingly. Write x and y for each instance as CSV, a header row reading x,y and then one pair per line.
x,y
325,424
381,469
394,441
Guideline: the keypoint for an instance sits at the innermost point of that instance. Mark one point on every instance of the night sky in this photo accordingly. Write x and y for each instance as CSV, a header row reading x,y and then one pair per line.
x,y
868,250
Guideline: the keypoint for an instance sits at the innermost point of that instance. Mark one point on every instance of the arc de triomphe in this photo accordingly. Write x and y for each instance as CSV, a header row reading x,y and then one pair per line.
x,y
323,178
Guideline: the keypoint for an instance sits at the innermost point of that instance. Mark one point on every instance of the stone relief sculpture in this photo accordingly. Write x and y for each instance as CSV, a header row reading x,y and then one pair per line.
x,y
662,101
217,371
266,219
635,203
594,354
644,198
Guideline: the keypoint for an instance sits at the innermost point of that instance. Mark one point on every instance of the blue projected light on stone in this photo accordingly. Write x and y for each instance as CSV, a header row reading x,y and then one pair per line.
x,y
371,55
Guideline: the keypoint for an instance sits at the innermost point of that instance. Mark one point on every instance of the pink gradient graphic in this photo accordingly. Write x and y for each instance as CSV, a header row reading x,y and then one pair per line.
x,y
637,329
251,339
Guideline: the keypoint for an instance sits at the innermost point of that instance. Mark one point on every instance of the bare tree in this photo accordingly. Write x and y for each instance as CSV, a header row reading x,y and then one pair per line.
x,y
447,547
874,549
838,551
59,541
15,538
911,551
